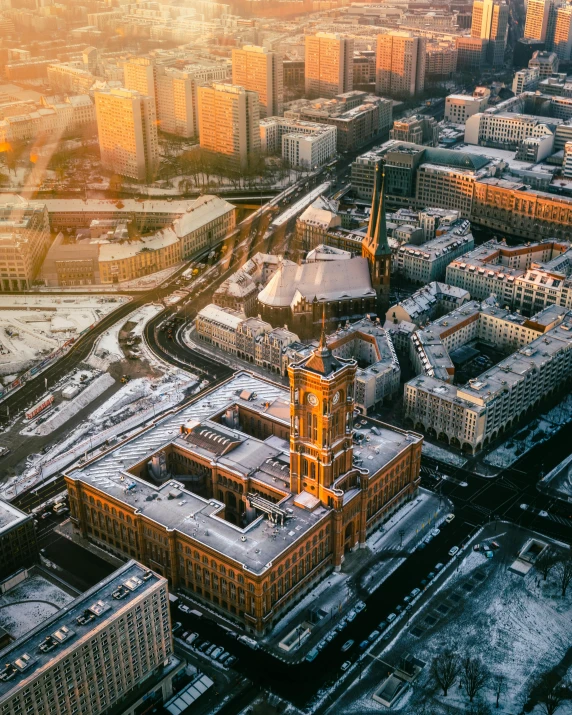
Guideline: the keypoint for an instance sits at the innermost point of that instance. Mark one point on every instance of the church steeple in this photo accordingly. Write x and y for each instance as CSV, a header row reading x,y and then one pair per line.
x,y
375,246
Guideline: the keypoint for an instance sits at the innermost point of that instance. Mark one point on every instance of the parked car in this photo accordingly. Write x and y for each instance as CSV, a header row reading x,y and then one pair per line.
x,y
363,645
231,661
216,652
210,649
435,532
322,644
360,606
438,567
204,645
454,551
495,545
345,665
431,575
351,615
382,626
183,608
428,539
449,518
191,638
176,626
330,637
422,545
347,645
391,617
373,636
415,592
312,655
399,608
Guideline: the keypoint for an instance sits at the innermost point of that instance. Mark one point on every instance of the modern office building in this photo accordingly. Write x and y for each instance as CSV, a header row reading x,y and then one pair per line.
x,y
99,653
329,64
260,70
417,129
127,129
562,38
545,62
471,54
301,143
400,64
18,544
525,80
490,23
459,107
229,122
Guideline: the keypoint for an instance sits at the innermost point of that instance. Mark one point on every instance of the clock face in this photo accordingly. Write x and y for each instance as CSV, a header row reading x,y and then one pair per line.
x,y
312,399
336,398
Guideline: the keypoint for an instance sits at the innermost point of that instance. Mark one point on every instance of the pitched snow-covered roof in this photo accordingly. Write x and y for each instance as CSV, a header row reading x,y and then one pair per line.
x,y
329,280
204,210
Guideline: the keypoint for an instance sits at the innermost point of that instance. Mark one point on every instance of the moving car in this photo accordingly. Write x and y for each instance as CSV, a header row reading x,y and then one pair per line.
x,y
345,665
347,645
184,609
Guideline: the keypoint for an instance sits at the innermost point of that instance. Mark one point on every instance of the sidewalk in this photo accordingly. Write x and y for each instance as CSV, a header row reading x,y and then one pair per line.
x,y
363,571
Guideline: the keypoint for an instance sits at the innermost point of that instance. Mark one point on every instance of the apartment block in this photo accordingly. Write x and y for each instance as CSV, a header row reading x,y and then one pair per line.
x,y
302,144
417,129
260,70
471,416
525,80
428,262
98,652
459,107
471,54
440,59
127,128
329,64
400,67
24,240
537,19
506,130
490,23
229,122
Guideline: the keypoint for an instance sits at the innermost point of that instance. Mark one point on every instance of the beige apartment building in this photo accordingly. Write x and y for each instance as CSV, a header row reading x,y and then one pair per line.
x,y
400,68
127,128
229,122
537,18
260,70
490,23
329,65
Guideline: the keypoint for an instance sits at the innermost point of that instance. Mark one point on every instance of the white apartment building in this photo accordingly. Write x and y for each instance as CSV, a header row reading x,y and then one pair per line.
x,y
93,655
127,128
303,144
471,416
526,80
260,70
229,122
218,326
428,262
400,64
329,61
506,130
459,107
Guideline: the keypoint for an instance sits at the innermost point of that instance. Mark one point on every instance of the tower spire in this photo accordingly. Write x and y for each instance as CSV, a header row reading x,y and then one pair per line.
x,y
375,246
323,345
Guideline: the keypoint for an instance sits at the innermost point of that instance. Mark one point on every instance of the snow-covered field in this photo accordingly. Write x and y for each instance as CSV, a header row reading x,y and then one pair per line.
x,y
22,607
521,627
537,432
107,349
33,327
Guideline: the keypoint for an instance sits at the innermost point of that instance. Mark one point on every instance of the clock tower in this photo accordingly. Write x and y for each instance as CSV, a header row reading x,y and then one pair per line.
x,y
321,414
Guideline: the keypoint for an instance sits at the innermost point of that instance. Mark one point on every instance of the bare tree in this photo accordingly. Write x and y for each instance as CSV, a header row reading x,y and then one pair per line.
x,y
546,562
499,686
564,571
474,676
444,669
551,697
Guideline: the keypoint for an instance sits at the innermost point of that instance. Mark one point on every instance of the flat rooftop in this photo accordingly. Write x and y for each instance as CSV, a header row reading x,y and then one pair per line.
x,y
256,545
62,630
10,516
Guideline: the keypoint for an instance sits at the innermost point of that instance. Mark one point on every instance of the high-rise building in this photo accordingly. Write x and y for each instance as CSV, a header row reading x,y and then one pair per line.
x,y
490,23
18,545
229,121
139,74
127,128
537,16
400,69
329,65
260,70
99,654
562,38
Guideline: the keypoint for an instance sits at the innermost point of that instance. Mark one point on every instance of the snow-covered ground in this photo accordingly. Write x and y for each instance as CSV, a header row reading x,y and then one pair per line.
x,y
520,626
33,327
136,403
537,432
29,603
66,409
107,349
442,455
